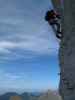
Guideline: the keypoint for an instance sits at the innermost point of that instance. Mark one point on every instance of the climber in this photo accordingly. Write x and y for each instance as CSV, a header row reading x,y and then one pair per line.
x,y
53,18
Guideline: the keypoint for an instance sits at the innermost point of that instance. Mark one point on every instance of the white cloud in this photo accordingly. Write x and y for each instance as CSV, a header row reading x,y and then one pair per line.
x,y
34,44
14,80
4,51
37,44
7,44
23,32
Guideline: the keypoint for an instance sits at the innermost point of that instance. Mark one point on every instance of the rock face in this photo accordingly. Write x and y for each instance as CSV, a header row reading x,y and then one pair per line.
x,y
67,52
67,49
57,5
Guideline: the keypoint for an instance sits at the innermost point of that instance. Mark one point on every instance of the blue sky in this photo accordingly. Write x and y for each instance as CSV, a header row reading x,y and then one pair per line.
x,y
28,47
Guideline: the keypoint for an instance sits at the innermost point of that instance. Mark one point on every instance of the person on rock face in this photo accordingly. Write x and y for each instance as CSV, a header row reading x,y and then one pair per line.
x,y
53,18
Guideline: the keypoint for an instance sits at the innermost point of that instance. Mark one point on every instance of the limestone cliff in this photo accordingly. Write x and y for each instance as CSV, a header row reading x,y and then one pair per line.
x,y
67,49
67,52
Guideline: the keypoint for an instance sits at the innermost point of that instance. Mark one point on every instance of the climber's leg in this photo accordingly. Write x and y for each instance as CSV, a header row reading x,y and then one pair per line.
x,y
58,31
58,34
57,28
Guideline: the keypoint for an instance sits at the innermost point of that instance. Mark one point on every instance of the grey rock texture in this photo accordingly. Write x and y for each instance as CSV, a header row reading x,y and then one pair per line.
x,y
67,52
57,5
67,49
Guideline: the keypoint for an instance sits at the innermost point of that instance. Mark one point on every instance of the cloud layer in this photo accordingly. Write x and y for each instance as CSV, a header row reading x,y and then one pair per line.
x,y
23,28
24,36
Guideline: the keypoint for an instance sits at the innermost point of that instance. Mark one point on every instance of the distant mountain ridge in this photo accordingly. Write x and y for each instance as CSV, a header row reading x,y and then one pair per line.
x,y
49,95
